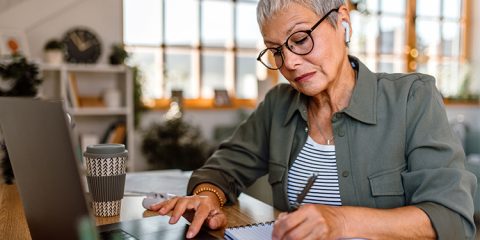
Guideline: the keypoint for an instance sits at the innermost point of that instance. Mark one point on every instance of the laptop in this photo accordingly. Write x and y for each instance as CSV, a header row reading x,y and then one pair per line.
x,y
45,161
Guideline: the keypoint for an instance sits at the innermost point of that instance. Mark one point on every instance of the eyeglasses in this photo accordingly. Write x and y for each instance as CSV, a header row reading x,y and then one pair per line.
x,y
300,43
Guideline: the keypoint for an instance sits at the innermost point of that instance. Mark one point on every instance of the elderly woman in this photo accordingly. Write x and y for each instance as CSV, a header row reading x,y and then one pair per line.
x,y
385,162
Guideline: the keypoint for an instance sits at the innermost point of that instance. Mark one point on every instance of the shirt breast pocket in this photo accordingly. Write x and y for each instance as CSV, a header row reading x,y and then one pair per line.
x,y
387,188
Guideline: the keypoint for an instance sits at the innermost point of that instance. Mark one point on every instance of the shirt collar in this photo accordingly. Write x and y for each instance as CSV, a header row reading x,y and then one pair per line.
x,y
363,101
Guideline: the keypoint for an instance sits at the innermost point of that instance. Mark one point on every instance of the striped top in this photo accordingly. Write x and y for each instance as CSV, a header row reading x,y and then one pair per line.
x,y
320,159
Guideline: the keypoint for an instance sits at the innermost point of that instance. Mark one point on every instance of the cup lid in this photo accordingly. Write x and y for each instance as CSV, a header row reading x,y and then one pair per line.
x,y
106,148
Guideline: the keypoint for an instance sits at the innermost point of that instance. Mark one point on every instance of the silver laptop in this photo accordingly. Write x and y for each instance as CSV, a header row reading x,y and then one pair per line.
x,y
45,160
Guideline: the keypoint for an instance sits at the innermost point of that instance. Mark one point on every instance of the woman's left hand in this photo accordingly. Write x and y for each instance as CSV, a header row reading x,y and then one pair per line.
x,y
310,221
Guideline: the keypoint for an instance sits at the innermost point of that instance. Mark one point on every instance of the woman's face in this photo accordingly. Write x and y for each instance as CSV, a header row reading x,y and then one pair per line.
x,y
314,72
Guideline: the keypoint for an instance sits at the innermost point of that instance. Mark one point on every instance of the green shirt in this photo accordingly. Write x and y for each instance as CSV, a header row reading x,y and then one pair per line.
x,y
394,147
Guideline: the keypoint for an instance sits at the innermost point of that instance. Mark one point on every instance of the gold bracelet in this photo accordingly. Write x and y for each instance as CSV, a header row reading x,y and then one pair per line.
x,y
213,190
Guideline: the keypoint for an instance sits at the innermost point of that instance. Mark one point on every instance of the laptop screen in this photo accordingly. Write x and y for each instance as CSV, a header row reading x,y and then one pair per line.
x,y
38,139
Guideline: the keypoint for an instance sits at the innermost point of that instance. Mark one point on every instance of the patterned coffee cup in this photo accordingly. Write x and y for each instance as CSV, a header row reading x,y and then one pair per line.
x,y
106,168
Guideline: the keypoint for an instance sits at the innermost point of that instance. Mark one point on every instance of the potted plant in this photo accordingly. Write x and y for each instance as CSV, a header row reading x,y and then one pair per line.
x,y
18,77
175,144
118,55
54,52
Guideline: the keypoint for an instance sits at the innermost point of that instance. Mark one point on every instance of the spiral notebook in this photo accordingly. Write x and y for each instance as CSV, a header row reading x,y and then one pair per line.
x,y
257,231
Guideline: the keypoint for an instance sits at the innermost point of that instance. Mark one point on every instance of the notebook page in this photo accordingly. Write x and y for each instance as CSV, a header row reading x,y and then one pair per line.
x,y
259,231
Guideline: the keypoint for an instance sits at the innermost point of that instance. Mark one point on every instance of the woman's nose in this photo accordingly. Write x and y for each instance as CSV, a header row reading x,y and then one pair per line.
x,y
290,59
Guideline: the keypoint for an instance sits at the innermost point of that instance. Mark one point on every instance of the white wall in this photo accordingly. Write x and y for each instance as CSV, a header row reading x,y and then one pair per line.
x,y
46,19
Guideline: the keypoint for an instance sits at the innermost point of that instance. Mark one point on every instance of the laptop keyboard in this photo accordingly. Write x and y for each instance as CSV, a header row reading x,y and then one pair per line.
x,y
116,234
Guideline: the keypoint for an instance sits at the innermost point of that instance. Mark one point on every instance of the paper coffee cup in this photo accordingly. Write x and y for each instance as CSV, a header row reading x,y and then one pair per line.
x,y
106,169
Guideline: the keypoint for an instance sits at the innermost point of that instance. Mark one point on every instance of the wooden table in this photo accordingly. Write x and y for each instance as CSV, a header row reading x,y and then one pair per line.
x,y
13,224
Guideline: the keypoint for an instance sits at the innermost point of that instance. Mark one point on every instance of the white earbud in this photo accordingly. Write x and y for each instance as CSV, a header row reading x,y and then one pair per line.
x,y
347,31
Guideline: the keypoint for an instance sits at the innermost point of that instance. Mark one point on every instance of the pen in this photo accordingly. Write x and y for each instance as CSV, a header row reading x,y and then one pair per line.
x,y
301,196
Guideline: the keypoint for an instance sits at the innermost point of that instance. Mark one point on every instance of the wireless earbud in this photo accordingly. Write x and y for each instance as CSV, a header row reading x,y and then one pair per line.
x,y
347,31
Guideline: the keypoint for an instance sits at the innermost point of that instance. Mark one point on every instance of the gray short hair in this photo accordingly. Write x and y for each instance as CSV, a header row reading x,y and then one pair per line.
x,y
267,8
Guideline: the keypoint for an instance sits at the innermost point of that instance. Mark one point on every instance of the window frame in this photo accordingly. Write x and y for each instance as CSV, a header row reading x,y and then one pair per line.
x,y
231,51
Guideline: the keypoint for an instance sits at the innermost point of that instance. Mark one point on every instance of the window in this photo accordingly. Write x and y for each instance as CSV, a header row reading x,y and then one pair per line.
x,y
196,46
199,46
426,36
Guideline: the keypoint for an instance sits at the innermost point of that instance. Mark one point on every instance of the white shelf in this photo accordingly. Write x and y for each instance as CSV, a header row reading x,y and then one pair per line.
x,y
92,80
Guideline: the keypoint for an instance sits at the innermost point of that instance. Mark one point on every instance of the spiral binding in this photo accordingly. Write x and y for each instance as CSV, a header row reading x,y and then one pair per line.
x,y
252,225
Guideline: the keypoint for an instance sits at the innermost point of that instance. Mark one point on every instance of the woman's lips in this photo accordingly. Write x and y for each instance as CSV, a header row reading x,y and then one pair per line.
x,y
304,77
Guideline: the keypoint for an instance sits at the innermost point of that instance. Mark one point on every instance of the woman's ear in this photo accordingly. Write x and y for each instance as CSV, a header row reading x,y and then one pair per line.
x,y
344,17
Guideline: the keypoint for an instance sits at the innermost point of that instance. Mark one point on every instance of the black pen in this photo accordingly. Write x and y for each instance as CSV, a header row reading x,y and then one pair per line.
x,y
305,190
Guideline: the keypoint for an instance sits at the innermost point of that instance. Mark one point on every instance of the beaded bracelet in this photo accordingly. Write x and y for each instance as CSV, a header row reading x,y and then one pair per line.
x,y
213,190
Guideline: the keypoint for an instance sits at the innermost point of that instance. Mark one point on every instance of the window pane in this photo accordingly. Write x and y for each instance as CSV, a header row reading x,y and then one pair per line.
x,y
371,62
142,22
372,6
392,35
364,33
180,28
390,64
428,37
148,60
246,79
248,33
178,73
447,74
431,68
451,39
430,8
216,23
384,66
394,7
452,8
213,73
448,78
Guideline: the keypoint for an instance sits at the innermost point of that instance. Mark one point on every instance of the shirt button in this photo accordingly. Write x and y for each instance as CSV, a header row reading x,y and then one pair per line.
x,y
345,174
341,132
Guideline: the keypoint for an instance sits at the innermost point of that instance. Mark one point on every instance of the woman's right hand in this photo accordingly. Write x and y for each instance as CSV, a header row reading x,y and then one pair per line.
x,y
204,207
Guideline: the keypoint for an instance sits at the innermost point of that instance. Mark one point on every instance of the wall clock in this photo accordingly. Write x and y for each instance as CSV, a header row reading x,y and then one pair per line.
x,y
82,46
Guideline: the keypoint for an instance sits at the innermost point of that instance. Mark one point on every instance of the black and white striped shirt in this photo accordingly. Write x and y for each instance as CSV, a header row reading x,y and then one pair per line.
x,y
320,159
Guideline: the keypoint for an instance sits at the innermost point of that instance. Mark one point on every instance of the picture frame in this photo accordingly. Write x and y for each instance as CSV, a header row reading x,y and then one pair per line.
x,y
177,96
222,99
13,41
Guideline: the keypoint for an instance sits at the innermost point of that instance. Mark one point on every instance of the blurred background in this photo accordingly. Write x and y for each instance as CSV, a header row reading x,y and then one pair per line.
x,y
172,78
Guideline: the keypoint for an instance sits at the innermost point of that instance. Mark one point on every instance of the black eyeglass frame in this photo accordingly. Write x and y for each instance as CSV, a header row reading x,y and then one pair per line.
x,y
279,48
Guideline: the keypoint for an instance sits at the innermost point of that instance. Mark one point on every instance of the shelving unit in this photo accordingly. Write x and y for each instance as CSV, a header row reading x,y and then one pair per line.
x,y
92,81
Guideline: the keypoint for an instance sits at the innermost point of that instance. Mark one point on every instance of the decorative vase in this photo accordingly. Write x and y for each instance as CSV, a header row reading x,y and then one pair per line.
x,y
54,57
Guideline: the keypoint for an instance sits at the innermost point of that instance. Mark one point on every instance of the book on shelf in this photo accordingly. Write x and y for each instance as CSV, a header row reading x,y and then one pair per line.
x,y
116,133
72,93
87,101
119,134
